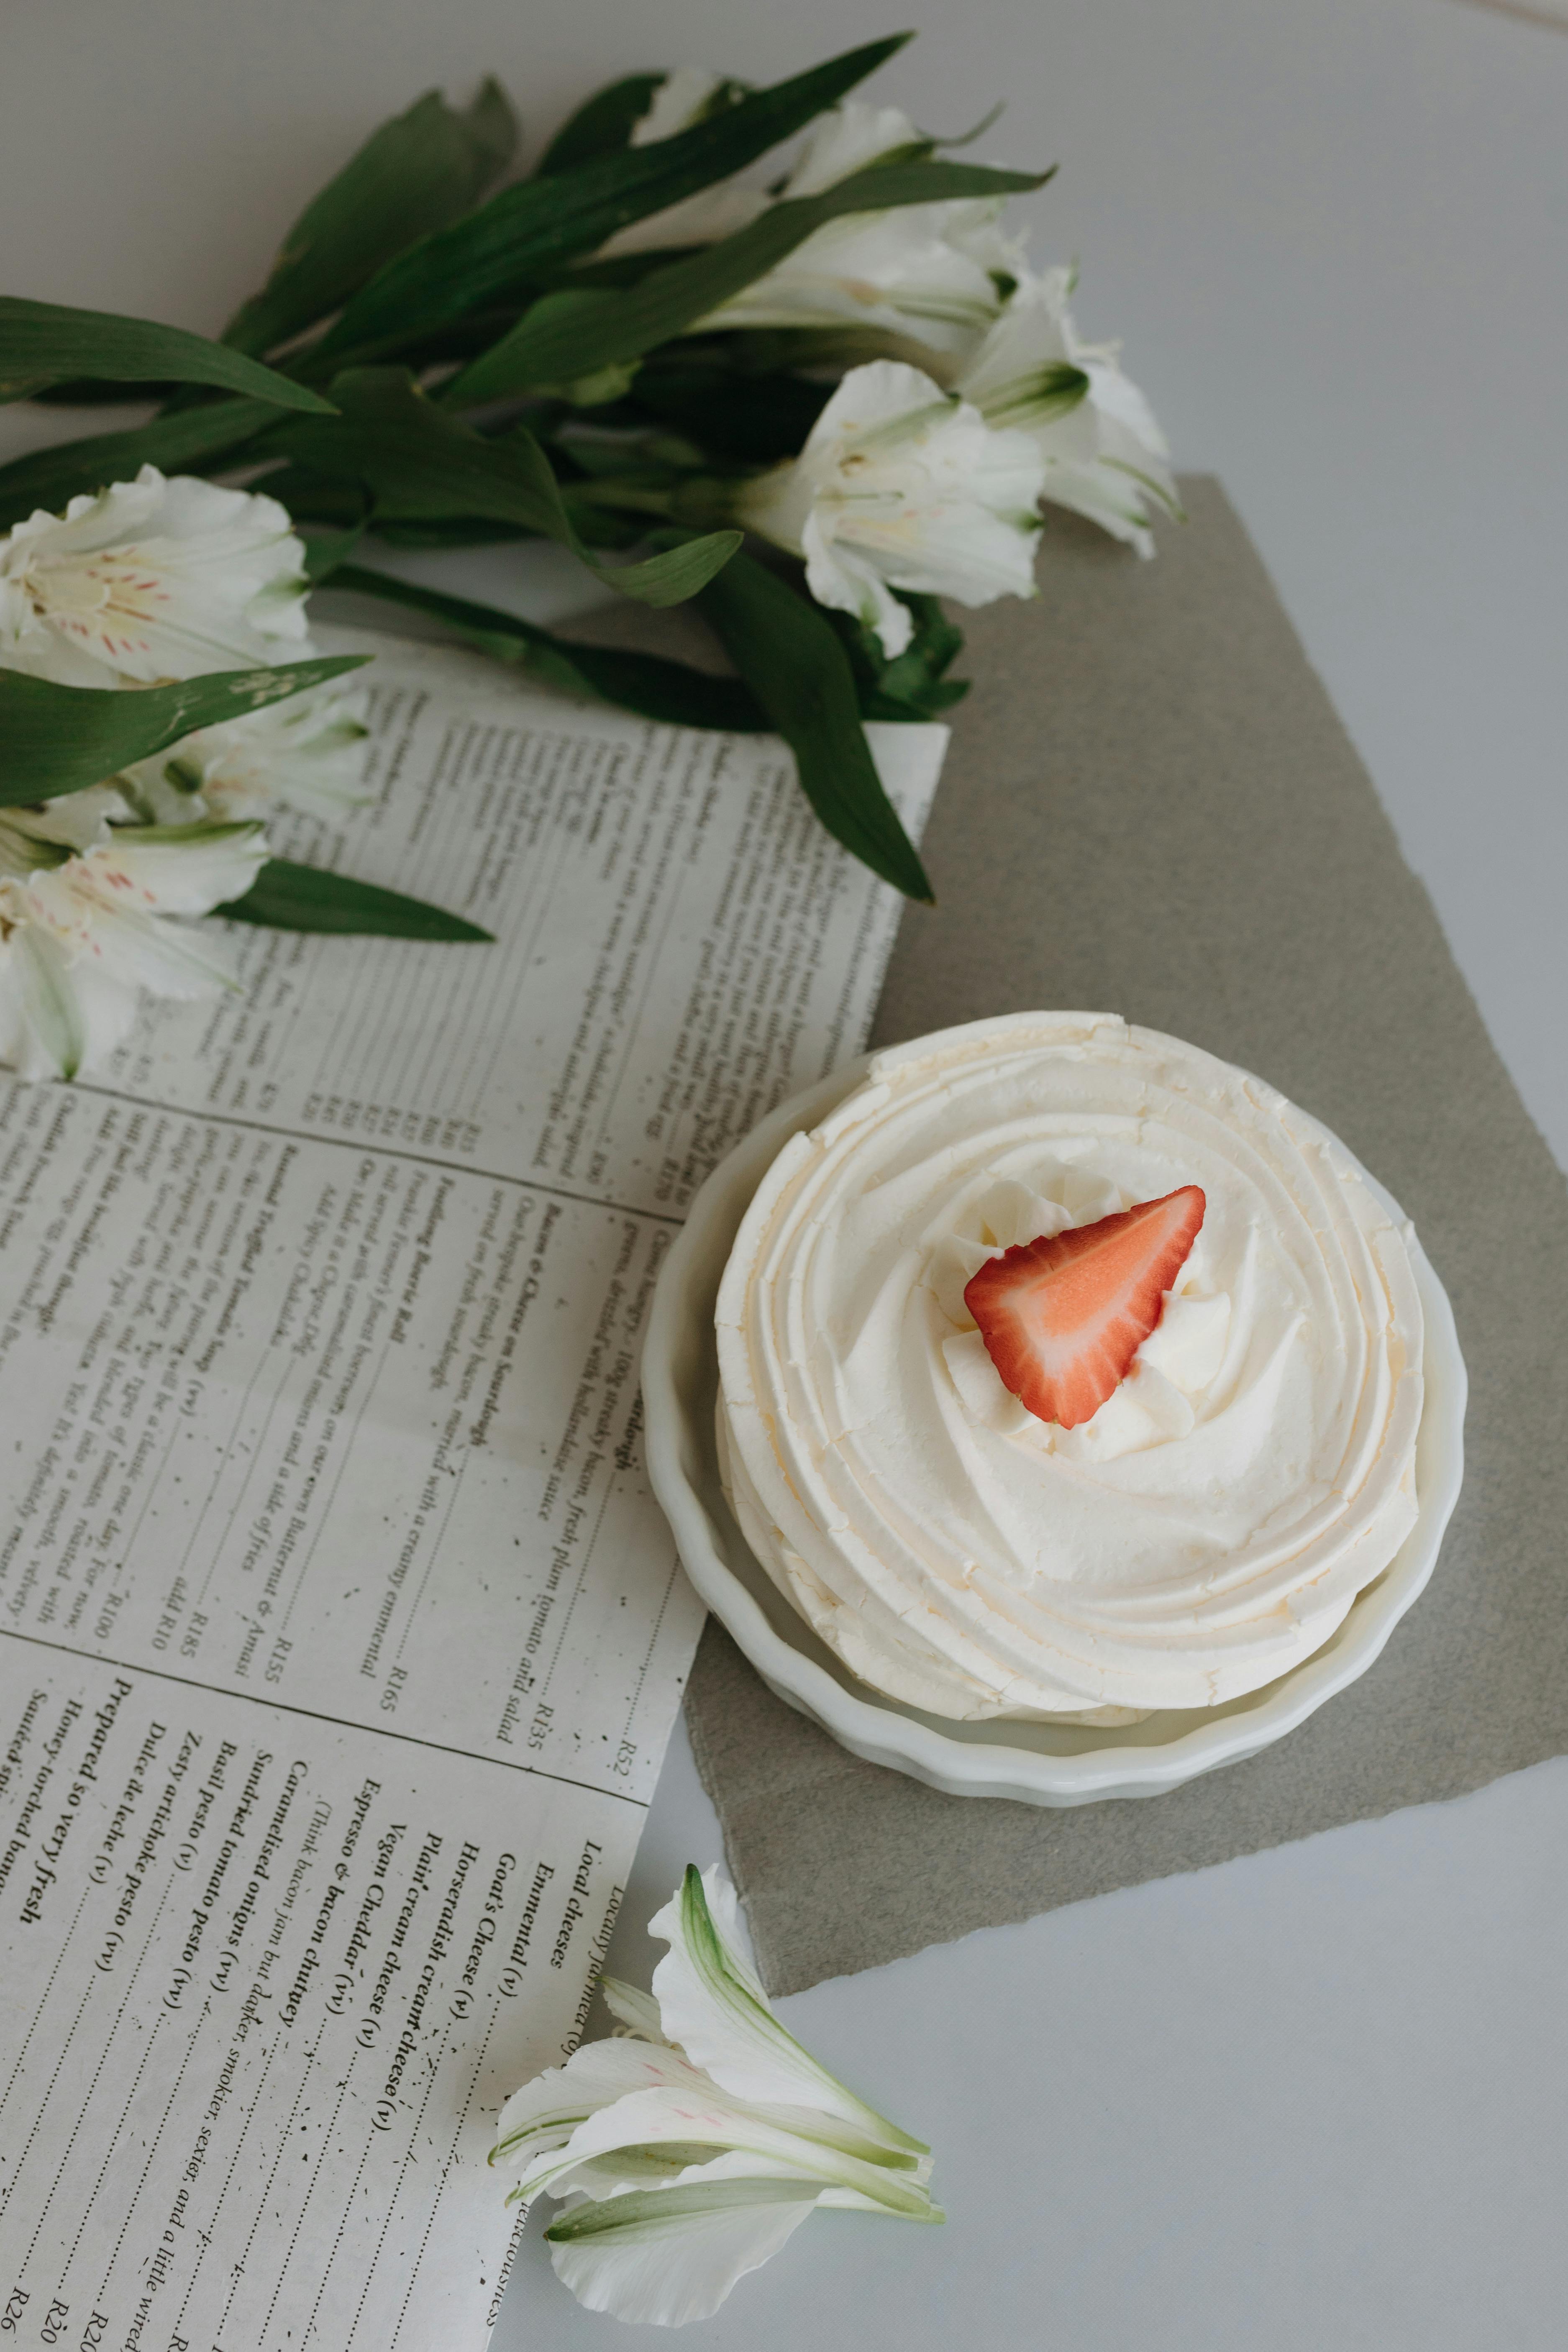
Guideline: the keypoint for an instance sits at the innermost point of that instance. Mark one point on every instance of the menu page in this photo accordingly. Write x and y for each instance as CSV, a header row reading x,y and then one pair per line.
x,y
342,1636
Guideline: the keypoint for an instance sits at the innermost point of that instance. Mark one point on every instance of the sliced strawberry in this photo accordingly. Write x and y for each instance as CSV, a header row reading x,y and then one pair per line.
x,y
1062,1317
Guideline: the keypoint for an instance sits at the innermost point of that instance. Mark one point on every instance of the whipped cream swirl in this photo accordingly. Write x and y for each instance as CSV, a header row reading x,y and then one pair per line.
x,y
1213,1522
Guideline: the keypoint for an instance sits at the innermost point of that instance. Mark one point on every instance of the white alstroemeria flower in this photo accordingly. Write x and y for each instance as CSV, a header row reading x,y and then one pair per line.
x,y
903,486
307,753
33,838
150,580
935,275
684,97
1105,456
703,2142
81,936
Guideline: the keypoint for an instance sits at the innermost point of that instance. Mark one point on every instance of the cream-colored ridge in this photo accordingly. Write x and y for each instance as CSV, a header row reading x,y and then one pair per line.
x,y
1212,1523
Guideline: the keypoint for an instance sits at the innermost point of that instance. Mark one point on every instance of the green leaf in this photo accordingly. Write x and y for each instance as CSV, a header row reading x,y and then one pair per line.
x,y
417,173
330,552
562,305
569,335
60,739
614,273
758,417
759,351
910,709
786,649
912,686
603,126
46,343
420,462
316,498
453,533
288,897
669,691
50,479
528,230
92,391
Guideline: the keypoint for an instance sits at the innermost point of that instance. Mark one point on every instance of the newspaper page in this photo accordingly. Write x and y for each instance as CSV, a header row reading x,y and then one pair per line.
x,y
342,1636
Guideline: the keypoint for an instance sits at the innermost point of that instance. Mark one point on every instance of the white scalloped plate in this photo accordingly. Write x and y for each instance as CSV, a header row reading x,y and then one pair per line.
x,y
1036,1763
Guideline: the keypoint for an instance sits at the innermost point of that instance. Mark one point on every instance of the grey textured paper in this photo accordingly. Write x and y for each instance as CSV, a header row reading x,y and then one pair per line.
x,y
1151,808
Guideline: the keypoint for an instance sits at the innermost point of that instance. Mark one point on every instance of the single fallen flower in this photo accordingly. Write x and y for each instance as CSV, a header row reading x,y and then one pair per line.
x,y
699,2137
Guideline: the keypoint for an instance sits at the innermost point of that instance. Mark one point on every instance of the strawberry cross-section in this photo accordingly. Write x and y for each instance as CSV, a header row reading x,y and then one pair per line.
x,y
1062,1317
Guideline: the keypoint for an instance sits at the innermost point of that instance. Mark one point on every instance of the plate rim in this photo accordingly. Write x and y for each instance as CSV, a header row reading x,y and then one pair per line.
x,y
883,1731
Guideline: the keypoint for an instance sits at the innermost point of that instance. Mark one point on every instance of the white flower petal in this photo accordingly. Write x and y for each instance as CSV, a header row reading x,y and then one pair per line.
x,y
714,2007
701,219
82,937
900,486
21,849
685,97
78,821
43,1025
623,2168
899,273
689,2183
945,549
844,140
544,2113
847,581
1131,428
921,273
1093,492
171,874
695,2115
672,2255
151,580
128,949
638,2011
107,999
307,752
883,392
1105,454
664,2164
975,227
1033,333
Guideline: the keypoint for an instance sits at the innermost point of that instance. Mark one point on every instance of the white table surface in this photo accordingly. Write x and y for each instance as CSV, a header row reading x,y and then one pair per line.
x,y
1311,2101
